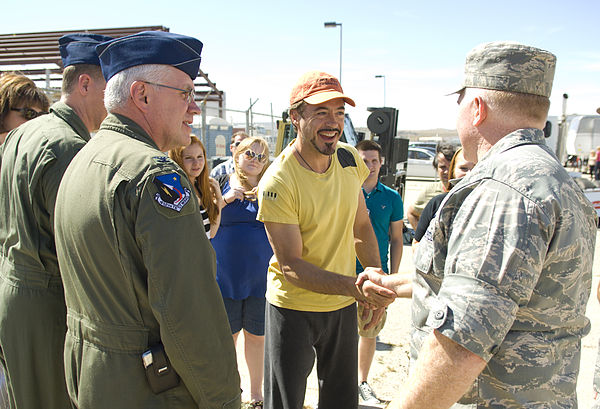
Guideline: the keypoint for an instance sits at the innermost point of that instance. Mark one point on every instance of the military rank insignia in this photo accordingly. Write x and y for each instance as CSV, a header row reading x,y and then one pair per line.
x,y
170,192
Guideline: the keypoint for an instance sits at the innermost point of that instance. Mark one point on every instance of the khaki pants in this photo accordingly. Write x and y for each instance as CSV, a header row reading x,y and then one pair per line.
x,y
374,331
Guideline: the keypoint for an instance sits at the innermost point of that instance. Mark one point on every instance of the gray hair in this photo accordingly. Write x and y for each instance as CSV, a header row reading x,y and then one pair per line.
x,y
118,87
513,104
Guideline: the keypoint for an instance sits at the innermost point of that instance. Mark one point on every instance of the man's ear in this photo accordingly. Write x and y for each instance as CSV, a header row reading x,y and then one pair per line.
x,y
83,83
479,111
294,117
139,95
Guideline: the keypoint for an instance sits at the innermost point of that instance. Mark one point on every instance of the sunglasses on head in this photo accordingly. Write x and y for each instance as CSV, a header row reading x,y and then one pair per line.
x,y
29,113
250,154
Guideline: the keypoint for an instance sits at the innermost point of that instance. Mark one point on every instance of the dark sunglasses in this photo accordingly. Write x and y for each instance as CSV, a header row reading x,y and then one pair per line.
x,y
250,154
29,113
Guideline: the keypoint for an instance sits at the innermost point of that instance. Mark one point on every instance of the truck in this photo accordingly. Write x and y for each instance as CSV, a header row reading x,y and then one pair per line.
x,y
582,135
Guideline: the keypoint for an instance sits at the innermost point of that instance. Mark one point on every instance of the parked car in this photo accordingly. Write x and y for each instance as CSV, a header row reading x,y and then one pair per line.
x,y
432,146
420,163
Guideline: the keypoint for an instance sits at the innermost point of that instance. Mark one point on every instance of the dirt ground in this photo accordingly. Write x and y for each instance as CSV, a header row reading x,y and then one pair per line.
x,y
390,365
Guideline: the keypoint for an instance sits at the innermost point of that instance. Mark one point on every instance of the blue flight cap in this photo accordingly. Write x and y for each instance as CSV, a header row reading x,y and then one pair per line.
x,y
80,48
150,47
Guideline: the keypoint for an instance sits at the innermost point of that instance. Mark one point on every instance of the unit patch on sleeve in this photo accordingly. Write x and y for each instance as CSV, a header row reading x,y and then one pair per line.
x,y
170,192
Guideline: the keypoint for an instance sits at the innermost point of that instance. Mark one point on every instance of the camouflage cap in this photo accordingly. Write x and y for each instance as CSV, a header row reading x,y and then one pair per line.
x,y
509,66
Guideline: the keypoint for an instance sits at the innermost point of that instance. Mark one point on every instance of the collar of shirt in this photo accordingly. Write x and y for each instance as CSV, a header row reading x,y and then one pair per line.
x,y
526,136
375,189
67,114
125,125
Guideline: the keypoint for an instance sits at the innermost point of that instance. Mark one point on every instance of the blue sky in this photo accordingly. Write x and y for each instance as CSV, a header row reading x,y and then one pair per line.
x,y
257,49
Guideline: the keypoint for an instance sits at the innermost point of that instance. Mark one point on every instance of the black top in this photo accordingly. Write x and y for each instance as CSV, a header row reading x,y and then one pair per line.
x,y
428,213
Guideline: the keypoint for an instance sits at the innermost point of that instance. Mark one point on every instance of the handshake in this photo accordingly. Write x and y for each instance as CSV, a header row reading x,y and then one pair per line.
x,y
377,290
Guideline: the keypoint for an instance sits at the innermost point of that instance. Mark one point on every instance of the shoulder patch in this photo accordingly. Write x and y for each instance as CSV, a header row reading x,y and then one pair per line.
x,y
170,192
345,158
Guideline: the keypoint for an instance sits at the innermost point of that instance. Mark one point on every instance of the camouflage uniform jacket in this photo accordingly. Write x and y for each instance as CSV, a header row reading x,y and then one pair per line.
x,y
505,270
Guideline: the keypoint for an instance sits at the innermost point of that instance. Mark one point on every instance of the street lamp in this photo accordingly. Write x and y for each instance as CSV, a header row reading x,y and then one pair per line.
x,y
334,24
382,76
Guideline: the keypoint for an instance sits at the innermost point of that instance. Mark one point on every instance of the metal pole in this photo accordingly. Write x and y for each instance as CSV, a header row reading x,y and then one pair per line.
x,y
204,131
340,53
384,87
47,78
272,120
562,131
249,118
333,24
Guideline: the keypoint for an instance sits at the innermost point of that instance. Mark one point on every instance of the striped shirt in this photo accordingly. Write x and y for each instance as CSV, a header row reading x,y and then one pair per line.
x,y
206,221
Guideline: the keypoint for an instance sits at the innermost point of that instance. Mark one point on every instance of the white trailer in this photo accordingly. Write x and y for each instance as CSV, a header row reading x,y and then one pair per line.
x,y
583,135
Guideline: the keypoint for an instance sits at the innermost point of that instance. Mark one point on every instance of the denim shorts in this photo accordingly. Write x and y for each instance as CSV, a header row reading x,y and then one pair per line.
x,y
248,314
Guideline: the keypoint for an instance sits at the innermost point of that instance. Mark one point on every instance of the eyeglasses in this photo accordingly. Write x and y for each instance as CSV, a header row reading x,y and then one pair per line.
x,y
250,154
188,94
236,144
29,113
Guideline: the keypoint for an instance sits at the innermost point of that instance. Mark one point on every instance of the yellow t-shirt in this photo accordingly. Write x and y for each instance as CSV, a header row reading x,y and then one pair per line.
x,y
324,207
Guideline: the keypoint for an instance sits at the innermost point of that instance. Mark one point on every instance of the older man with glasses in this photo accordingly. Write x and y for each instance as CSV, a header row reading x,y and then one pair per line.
x,y
145,314
34,159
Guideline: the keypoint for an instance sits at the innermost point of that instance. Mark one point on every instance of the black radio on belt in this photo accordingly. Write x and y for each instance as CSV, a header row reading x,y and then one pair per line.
x,y
159,371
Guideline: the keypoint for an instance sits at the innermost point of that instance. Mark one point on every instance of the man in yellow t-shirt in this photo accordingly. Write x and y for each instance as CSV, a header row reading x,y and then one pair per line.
x,y
315,215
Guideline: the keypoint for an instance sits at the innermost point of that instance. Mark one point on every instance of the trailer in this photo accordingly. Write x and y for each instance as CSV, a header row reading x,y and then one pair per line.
x,y
583,135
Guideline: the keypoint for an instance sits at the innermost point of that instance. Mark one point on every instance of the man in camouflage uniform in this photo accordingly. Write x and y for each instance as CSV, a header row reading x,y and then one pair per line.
x,y
34,158
504,270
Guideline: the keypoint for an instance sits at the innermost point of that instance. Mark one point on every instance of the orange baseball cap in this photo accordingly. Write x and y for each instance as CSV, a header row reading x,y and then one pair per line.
x,y
316,87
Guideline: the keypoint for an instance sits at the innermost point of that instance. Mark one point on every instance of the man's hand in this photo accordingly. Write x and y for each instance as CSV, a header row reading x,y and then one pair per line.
x,y
375,318
374,295
371,274
400,284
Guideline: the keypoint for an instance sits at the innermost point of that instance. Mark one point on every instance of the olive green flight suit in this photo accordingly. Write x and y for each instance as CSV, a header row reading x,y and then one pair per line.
x,y
138,270
32,306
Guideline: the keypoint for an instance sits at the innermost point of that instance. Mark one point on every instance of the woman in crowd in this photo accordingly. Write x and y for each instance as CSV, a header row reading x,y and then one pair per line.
x,y
592,163
459,167
192,159
20,101
243,254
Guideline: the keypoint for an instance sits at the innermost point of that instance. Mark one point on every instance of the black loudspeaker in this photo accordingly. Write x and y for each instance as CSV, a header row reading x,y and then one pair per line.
x,y
383,123
400,150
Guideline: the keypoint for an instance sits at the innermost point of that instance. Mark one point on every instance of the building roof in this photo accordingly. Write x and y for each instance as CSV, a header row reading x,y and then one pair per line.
x,y
37,56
